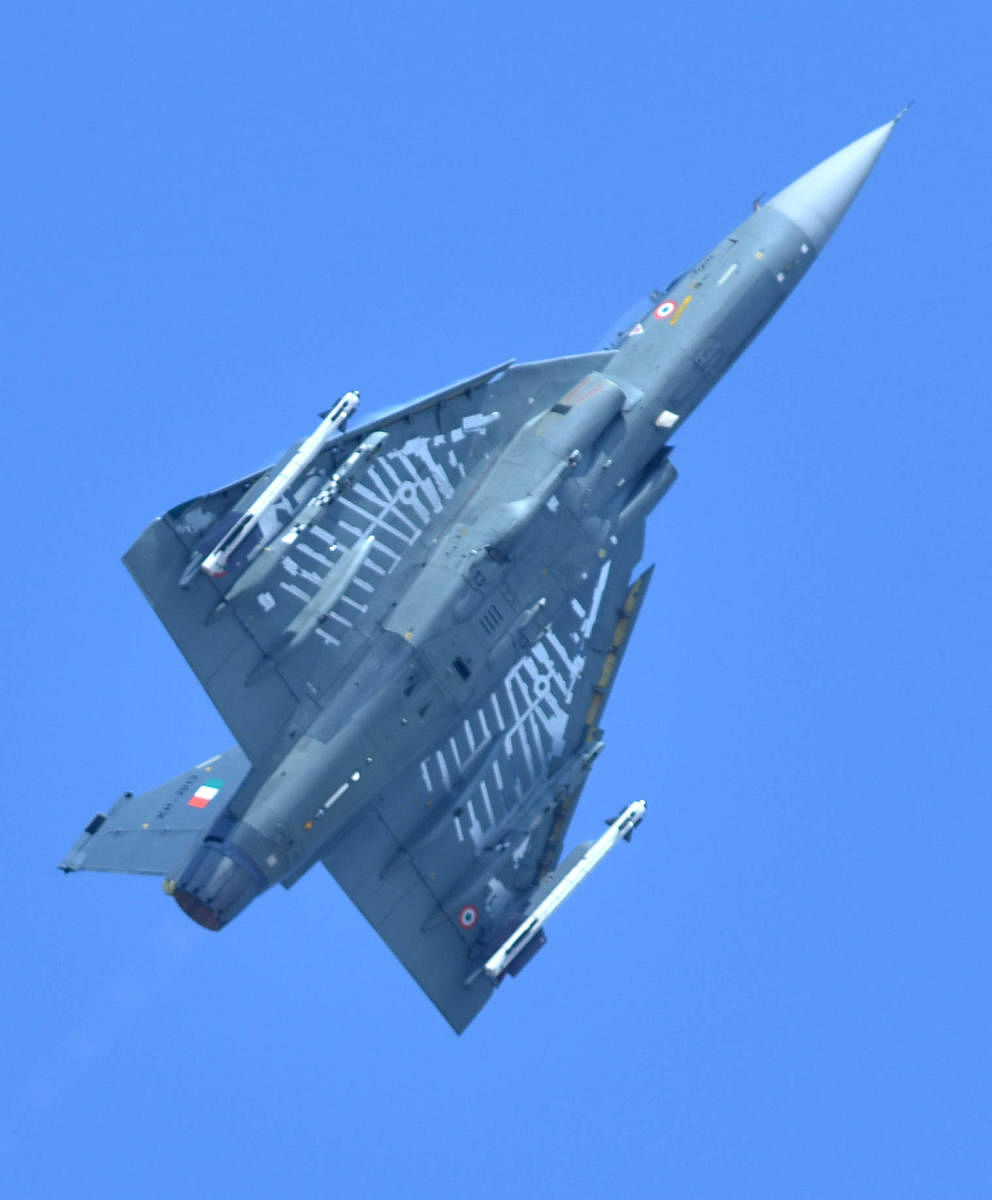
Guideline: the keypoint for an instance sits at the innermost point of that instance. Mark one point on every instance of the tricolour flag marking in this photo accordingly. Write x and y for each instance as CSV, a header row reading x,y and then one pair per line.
x,y
205,793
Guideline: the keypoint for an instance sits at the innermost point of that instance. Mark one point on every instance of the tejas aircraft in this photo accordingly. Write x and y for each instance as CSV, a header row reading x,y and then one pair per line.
x,y
412,627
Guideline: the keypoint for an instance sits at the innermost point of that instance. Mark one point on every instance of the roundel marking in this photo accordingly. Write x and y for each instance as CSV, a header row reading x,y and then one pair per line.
x,y
665,310
468,916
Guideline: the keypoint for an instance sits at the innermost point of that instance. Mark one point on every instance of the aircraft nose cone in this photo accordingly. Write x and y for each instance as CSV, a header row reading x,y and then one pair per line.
x,y
817,200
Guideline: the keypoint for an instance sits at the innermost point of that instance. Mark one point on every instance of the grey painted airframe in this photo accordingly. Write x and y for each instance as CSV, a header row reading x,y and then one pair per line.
x,y
412,627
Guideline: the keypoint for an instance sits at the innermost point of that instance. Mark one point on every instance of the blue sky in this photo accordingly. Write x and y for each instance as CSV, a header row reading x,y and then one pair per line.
x,y
219,217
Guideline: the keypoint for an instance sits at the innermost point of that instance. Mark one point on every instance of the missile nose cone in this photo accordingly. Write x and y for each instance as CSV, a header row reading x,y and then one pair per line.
x,y
817,201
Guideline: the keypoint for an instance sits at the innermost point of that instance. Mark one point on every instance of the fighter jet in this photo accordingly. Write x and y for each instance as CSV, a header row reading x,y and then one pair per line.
x,y
412,627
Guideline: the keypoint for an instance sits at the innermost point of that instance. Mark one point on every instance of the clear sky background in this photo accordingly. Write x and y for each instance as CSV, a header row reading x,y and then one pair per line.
x,y
218,217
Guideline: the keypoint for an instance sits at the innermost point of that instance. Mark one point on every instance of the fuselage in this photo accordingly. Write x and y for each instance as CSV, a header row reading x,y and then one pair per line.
x,y
579,473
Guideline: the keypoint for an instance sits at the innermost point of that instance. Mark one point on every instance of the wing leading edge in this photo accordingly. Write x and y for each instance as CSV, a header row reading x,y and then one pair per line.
x,y
239,632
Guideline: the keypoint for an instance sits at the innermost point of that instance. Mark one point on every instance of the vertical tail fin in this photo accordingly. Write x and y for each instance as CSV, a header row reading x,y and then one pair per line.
x,y
155,833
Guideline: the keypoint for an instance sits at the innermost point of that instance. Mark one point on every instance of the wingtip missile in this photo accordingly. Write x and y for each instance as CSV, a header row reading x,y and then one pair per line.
x,y
520,940
215,562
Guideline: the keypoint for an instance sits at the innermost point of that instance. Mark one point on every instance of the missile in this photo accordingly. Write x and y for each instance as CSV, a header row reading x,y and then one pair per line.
x,y
368,449
271,555
215,563
588,857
